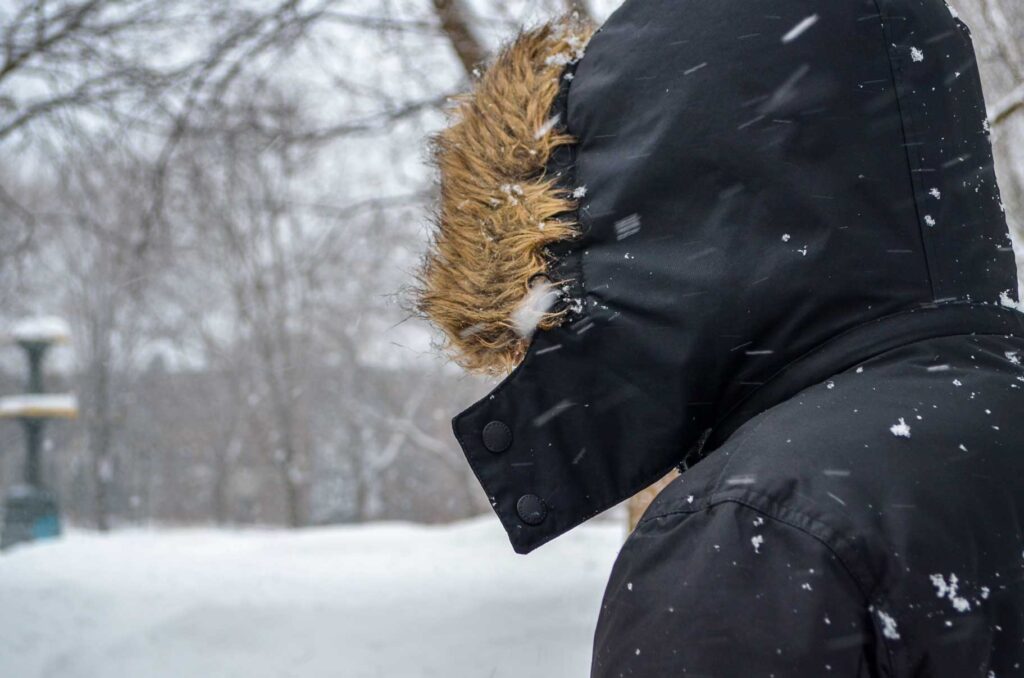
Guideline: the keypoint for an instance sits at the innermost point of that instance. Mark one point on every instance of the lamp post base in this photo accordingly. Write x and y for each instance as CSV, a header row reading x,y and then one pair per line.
x,y
30,514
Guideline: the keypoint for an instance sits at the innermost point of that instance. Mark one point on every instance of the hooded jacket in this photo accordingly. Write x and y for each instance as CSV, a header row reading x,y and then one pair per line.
x,y
781,264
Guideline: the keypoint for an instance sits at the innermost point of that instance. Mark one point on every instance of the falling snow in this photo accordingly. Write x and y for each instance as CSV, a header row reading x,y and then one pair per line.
x,y
800,29
627,226
916,54
531,310
548,125
757,540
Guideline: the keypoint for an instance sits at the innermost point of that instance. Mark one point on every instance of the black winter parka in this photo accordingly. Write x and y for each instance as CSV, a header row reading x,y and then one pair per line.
x,y
813,311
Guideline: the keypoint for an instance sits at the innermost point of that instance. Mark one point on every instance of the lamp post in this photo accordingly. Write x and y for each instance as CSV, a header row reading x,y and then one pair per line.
x,y
30,508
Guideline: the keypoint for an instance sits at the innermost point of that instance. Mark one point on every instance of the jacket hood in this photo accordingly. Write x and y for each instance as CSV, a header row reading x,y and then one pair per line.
x,y
766,196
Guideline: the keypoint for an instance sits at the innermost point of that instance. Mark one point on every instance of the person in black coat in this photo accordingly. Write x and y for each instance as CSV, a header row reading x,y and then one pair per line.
x,y
761,241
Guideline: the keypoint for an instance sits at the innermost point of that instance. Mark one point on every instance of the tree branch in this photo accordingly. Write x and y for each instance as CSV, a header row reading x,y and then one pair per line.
x,y
1003,109
454,19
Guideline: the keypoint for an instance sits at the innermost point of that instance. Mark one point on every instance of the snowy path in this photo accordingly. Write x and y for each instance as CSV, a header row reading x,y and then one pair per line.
x,y
389,600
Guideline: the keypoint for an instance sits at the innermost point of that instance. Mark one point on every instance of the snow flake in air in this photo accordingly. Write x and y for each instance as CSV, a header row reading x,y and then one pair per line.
x,y
757,540
785,237
929,219
799,29
935,193
916,54
548,125
537,302
900,429
627,226
1013,357
579,192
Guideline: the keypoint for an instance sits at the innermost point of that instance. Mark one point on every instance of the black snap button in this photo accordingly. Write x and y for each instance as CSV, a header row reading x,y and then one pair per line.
x,y
531,509
497,437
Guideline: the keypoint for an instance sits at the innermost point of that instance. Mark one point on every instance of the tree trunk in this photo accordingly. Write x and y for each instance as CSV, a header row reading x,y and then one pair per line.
x,y
100,424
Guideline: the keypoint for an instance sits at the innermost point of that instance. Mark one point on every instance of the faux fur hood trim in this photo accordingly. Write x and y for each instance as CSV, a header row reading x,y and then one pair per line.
x,y
498,209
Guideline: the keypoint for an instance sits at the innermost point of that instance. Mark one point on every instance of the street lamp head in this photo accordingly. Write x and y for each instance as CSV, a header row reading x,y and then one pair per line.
x,y
42,330
39,406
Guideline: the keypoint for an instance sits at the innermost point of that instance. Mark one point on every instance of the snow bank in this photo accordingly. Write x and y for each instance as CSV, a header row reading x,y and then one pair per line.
x,y
391,600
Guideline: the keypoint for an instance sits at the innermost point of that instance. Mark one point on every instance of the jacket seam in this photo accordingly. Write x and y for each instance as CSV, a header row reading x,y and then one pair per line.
x,y
896,73
725,497
741,444
824,345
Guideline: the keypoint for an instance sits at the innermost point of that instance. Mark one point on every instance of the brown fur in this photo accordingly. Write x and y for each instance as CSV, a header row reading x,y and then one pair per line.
x,y
498,210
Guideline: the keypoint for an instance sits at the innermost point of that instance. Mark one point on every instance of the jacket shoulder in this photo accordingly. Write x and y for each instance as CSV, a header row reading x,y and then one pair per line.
x,y
688,584
909,471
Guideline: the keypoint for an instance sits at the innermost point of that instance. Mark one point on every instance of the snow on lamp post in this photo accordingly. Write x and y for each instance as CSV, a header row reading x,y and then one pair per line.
x,y
31,510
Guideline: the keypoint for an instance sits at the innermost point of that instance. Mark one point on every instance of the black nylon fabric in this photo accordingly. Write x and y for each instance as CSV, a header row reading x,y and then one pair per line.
x,y
818,542
798,169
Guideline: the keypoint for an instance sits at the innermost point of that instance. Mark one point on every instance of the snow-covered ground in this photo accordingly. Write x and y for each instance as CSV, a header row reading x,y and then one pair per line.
x,y
386,600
